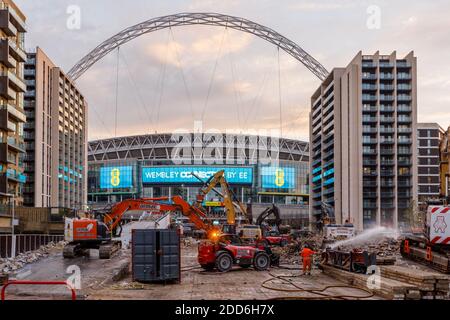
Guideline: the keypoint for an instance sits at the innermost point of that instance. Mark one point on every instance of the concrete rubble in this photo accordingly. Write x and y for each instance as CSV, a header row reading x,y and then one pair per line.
x,y
9,265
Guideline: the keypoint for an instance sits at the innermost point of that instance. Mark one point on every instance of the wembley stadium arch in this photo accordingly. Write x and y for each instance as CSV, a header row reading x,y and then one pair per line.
x,y
209,19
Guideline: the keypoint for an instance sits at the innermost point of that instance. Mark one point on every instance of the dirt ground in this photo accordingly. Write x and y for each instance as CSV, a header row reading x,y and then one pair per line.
x,y
97,282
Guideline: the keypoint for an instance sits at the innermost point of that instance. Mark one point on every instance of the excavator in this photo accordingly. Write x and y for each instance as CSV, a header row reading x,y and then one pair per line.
x,y
219,250
272,236
98,233
230,200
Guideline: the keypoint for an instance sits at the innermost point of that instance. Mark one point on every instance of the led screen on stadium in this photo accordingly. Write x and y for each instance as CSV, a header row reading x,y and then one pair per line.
x,y
172,175
278,177
116,177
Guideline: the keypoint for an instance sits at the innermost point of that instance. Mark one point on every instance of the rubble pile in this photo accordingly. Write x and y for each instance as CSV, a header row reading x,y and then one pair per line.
x,y
290,253
189,242
383,248
8,265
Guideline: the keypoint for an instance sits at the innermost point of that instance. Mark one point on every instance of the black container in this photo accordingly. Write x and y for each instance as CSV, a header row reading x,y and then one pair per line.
x,y
156,255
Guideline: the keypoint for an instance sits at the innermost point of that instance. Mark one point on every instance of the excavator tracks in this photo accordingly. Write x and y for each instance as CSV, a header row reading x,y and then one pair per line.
x,y
70,251
107,250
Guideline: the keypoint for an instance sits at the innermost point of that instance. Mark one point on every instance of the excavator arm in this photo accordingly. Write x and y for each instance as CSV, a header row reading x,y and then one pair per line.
x,y
267,212
113,218
230,200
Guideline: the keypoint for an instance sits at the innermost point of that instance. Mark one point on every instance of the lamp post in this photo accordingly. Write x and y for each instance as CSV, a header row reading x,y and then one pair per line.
x,y
13,237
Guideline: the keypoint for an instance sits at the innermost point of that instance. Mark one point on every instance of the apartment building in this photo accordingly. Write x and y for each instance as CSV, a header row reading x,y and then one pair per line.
x,y
12,88
363,141
55,136
429,136
444,171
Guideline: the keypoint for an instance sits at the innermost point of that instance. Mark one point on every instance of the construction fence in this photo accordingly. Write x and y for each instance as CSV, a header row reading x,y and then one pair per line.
x,y
25,242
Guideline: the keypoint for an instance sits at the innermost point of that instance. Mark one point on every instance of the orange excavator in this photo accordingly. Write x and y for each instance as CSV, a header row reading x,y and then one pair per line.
x,y
83,234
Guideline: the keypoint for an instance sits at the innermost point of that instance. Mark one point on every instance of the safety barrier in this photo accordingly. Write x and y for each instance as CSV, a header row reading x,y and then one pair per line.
x,y
28,282
25,242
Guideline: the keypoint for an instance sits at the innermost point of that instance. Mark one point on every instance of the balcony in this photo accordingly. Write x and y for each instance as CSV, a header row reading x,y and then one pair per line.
x,y
405,141
16,52
369,183
367,162
370,173
404,108
387,162
386,130
386,97
369,108
18,146
387,184
13,112
368,64
404,183
14,176
387,151
370,195
386,173
5,23
403,87
386,119
387,194
386,65
387,205
386,76
14,17
387,141
404,130
403,76
403,97
369,119
404,194
367,86
5,91
368,97
369,151
369,130
369,141
404,162
386,87
29,72
404,151
386,108
369,76
369,205
15,82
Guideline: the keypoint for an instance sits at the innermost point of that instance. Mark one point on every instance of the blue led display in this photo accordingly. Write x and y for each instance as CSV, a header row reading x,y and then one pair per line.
x,y
172,174
278,177
116,177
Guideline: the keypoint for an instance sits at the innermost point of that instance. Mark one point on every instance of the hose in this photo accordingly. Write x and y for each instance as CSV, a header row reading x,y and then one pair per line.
x,y
320,292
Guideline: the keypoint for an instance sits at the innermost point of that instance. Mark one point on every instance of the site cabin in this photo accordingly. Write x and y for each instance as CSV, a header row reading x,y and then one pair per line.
x,y
337,231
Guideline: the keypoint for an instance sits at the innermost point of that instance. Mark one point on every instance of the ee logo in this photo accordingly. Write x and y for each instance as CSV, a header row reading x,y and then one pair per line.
x,y
115,177
279,177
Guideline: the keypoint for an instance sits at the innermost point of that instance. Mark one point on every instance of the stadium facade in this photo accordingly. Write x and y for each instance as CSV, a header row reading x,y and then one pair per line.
x,y
259,169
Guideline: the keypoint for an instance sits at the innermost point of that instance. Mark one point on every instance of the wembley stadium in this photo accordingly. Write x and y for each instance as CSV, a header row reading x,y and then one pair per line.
x,y
259,169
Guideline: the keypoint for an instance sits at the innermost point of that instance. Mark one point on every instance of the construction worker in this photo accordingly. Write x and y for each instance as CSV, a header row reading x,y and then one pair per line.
x,y
306,254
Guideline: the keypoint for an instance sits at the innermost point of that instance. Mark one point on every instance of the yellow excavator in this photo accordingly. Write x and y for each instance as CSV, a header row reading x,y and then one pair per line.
x,y
231,202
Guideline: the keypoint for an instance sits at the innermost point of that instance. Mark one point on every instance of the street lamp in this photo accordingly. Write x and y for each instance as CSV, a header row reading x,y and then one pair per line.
x,y
13,237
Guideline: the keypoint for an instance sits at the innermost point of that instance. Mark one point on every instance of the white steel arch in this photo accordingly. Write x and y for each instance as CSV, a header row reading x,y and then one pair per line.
x,y
211,19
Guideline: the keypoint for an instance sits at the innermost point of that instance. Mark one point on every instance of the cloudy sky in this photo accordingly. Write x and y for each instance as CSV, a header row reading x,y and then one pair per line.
x,y
229,79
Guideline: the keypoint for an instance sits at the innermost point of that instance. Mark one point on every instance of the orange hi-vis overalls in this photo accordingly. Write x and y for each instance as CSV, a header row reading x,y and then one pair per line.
x,y
306,257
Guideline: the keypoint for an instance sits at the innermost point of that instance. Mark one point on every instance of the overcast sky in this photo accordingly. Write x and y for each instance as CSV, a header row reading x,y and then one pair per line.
x,y
165,76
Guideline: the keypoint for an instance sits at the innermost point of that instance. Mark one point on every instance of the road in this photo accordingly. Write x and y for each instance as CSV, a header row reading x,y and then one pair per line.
x,y
93,272
97,283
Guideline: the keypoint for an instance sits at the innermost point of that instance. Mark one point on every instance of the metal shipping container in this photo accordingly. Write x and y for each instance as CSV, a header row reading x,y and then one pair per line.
x,y
155,255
